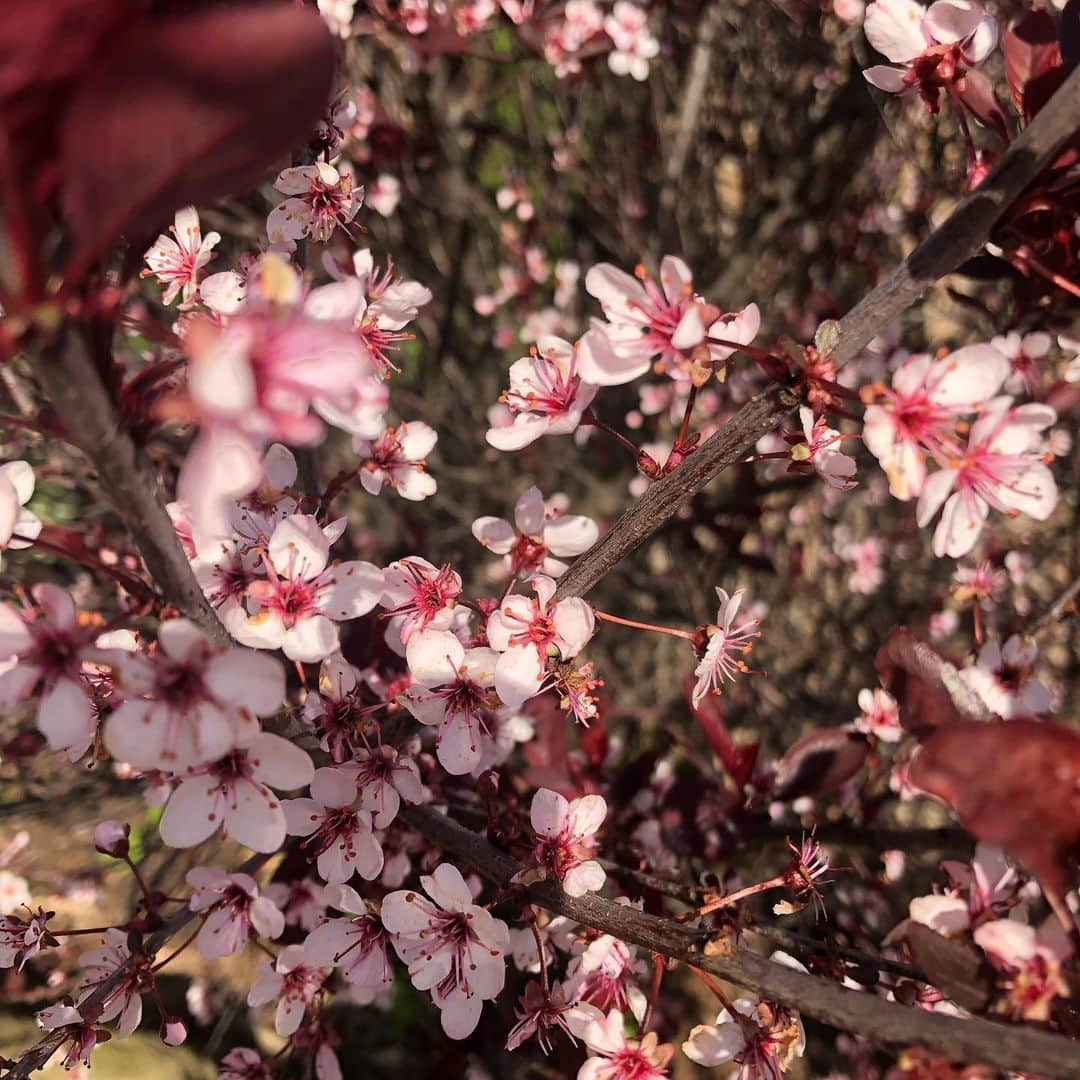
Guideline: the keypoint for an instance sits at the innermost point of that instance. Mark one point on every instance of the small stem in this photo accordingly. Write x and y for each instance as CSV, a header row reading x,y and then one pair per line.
x,y
176,952
76,933
592,420
714,986
688,634
148,896
961,116
732,898
684,427
1024,260
540,951
659,967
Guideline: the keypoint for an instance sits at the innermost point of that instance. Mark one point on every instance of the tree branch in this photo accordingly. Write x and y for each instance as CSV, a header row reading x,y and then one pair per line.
x,y
961,235
66,370
973,1040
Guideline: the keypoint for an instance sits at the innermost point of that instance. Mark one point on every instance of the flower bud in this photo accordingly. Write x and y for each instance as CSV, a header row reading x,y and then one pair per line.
x,y
173,1031
111,838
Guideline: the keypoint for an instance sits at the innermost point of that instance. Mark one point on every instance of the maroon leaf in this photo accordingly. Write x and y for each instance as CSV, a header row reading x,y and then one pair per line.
x,y
44,49
1070,34
739,761
820,762
1016,784
1031,50
927,688
185,110
978,96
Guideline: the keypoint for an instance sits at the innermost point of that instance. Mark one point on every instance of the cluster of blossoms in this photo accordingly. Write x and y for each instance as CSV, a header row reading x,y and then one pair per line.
x,y
998,460
353,897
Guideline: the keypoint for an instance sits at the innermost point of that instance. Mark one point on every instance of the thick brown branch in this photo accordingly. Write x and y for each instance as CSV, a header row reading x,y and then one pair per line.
x,y
960,236
67,373
967,228
974,1040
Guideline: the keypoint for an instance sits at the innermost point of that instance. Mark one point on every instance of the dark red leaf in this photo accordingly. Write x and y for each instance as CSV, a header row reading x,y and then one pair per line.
x,y
188,109
927,688
1031,50
1070,34
44,49
978,96
820,762
739,761
1014,783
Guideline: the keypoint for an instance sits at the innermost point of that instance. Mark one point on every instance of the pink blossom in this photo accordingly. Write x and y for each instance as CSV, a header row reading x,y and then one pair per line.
x,y
235,794
985,887
615,1056
566,38
340,833
934,45
111,838
1030,964
259,377
418,596
821,451
292,982
982,583
301,901
452,947
384,777
547,394
539,533
917,413
19,528
124,1002
190,701
80,1035
357,945
628,28
1002,677
880,715
867,575
606,975
238,911
379,309
529,632
337,710
384,195
1026,354
669,323
398,458
541,1013
243,1063
21,939
453,688
1001,467
176,260
764,1041
566,839
304,594
321,200
42,650
727,644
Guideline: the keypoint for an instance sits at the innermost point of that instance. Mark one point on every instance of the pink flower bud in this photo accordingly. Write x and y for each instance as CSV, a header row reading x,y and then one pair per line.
x,y
173,1031
111,838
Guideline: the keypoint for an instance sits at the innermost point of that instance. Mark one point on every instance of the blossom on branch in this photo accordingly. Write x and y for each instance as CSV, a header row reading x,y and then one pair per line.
x,y
452,947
